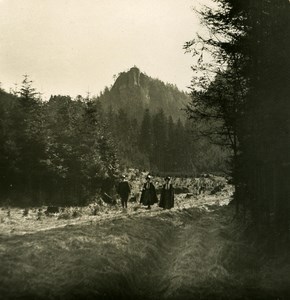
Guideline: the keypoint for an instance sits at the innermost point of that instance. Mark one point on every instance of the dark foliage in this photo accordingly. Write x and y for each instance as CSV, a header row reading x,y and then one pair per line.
x,y
57,151
66,151
250,41
147,120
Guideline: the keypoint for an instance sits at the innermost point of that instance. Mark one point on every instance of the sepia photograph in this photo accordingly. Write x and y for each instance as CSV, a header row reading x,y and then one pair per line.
x,y
145,149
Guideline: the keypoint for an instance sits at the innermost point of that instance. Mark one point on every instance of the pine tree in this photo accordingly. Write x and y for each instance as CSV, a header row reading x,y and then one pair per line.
x,y
145,137
254,35
159,130
27,92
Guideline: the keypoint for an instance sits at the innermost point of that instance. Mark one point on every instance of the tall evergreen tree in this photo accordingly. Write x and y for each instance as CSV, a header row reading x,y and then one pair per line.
x,y
145,137
254,35
159,130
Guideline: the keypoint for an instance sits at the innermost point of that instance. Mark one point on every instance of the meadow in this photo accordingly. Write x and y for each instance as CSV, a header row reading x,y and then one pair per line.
x,y
194,251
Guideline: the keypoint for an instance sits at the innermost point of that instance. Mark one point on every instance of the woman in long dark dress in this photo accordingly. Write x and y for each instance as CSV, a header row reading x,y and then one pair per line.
x,y
148,195
167,195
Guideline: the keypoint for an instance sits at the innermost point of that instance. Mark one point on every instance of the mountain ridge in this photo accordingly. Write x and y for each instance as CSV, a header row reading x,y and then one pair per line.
x,y
134,91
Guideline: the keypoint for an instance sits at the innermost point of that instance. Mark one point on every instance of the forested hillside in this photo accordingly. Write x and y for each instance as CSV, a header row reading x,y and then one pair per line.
x,y
67,151
148,121
134,91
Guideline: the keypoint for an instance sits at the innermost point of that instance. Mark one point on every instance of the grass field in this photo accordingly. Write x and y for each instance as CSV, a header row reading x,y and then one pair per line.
x,y
194,251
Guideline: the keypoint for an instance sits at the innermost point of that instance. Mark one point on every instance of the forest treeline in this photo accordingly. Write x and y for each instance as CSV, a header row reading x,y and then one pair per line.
x,y
246,102
52,152
158,144
68,151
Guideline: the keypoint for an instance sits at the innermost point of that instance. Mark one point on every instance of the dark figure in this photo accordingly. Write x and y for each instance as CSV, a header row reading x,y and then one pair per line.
x,y
167,195
52,210
148,195
39,214
124,191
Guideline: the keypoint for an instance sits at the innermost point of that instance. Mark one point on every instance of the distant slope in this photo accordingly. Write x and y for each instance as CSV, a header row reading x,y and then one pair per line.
x,y
134,91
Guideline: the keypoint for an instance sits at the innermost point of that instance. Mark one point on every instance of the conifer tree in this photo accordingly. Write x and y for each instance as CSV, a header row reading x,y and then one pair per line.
x,y
159,136
145,137
254,35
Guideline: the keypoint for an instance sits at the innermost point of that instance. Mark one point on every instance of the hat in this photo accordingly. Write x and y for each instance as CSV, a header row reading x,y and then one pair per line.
x,y
123,176
167,178
148,177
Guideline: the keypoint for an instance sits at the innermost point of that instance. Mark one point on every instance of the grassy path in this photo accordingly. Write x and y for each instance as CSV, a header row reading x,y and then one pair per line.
x,y
184,253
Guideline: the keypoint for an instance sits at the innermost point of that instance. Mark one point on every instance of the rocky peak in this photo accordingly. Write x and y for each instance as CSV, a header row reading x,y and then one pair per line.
x,y
134,77
134,91
128,79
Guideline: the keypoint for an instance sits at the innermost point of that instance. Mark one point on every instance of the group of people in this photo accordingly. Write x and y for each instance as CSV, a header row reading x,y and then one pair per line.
x,y
148,193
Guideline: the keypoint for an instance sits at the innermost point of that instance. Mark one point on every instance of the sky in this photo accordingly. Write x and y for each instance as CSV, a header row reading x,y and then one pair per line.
x,y
71,47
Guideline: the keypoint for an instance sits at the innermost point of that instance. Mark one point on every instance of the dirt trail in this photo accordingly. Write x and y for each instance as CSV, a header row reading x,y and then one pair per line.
x,y
190,263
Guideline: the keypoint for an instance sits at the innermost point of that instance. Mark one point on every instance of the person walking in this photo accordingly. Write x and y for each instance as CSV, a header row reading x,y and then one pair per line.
x,y
124,191
148,195
167,194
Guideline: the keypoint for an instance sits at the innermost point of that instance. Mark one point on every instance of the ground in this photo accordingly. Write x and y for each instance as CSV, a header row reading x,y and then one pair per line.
x,y
193,251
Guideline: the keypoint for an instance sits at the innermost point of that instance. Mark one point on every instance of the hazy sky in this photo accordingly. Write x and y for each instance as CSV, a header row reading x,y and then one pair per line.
x,y
71,46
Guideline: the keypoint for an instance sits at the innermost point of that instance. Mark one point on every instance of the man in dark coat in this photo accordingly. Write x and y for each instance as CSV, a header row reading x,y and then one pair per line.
x,y
148,195
124,191
167,195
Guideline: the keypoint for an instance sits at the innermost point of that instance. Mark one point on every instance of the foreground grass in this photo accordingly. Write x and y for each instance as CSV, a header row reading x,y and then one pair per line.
x,y
101,260
194,251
